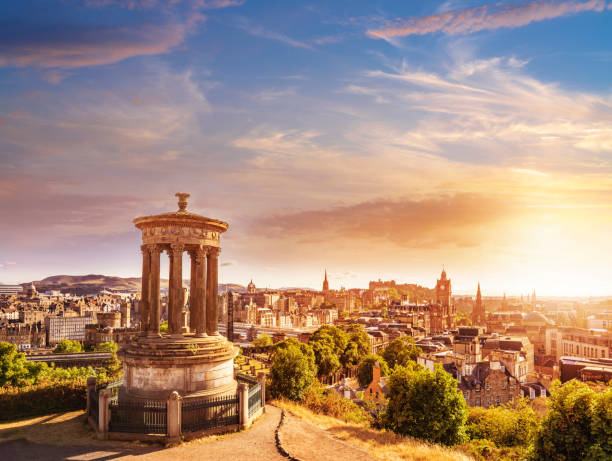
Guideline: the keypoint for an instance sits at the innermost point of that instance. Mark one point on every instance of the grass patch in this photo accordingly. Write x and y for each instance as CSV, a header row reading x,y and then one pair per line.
x,y
380,444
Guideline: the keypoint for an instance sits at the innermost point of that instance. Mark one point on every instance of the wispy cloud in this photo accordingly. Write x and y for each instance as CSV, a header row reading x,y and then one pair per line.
x,y
260,31
486,17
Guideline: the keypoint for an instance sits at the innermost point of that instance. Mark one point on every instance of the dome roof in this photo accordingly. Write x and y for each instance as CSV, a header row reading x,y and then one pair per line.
x,y
536,319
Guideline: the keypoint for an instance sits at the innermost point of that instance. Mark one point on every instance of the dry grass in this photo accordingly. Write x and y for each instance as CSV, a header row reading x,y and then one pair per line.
x,y
383,445
57,429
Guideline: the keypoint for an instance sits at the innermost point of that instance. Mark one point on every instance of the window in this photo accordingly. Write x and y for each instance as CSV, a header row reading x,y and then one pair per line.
x,y
488,386
497,400
477,387
488,401
477,401
504,385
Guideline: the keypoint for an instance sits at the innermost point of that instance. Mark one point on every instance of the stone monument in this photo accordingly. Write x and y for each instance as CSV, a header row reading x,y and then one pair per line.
x,y
198,363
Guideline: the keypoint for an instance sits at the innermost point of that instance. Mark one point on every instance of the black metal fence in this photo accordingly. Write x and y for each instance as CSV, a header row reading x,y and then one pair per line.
x,y
140,417
254,398
211,413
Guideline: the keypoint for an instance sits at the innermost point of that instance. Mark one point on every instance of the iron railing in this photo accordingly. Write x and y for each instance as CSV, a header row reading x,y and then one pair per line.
x,y
114,389
211,413
140,417
254,399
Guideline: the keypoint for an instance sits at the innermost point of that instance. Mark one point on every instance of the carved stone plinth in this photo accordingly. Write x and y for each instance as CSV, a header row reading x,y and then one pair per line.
x,y
193,366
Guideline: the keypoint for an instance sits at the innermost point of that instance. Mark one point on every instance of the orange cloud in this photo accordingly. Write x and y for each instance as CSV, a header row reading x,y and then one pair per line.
x,y
486,17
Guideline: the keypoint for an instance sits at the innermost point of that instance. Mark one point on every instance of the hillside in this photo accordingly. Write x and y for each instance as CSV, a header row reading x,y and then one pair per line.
x,y
94,283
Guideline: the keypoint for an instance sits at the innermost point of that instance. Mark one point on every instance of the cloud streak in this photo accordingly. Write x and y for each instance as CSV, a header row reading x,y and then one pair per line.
x,y
486,17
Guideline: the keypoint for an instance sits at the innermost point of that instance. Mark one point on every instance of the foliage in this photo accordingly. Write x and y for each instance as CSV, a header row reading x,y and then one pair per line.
x,y
328,402
15,370
358,345
425,405
42,398
577,426
110,346
263,341
327,362
485,450
66,346
293,370
401,351
163,327
505,426
364,373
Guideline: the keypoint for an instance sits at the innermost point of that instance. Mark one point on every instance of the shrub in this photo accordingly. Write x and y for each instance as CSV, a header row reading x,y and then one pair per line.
x,y
507,426
42,398
66,346
425,405
328,402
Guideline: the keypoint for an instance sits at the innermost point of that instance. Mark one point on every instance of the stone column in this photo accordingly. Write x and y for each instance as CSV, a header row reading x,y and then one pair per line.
x,y
193,289
173,418
145,303
154,313
176,293
200,255
212,288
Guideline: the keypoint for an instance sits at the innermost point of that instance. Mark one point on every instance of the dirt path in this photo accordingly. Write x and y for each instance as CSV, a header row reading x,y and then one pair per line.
x,y
306,442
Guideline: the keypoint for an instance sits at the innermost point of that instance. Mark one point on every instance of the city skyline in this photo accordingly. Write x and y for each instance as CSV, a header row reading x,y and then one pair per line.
x,y
374,139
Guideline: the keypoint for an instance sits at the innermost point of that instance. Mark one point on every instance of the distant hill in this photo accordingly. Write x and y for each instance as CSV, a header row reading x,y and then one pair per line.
x,y
94,283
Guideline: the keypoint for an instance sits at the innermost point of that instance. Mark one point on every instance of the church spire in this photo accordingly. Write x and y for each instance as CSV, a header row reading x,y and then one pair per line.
x,y
325,282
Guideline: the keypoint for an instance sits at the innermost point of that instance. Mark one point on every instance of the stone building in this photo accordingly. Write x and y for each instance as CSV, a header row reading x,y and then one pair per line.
x,y
377,390
489,384
24,336
72,328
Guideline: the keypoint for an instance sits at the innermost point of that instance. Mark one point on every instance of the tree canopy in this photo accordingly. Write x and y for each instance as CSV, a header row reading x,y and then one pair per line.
x,y
334,347
425,405
401,351
263,341
364,372
578,424
15,370
293,370
66,346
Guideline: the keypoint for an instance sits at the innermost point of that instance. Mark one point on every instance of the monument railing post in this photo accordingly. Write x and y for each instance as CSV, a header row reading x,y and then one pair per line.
x,y
104,412
243,405
174,416
91,387
261,378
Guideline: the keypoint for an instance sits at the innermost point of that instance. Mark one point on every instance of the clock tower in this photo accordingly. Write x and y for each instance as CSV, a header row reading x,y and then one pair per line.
x,y
443,290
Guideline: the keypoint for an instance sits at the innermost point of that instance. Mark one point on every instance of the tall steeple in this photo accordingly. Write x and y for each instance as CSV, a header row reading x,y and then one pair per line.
x,y
325,283
479,316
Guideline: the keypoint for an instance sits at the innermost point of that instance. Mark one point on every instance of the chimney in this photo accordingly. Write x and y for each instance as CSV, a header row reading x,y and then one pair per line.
x,y
376,372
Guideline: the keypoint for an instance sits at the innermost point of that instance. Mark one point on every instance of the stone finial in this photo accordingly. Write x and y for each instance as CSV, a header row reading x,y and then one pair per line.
x,y
182,200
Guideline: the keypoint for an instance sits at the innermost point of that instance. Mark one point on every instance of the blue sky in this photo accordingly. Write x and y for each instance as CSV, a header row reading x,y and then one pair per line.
x,y
377,139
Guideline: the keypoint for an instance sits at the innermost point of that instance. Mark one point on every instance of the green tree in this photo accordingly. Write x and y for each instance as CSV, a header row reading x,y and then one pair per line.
x,y
327,361
364,372
332,336
577,425
66,346
163,327
292,371
601,426
15,370
357,347
425,405
400,351
263,341
109,346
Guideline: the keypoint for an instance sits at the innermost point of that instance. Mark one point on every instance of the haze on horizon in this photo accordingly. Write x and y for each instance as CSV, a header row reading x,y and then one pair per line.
x,y
376,139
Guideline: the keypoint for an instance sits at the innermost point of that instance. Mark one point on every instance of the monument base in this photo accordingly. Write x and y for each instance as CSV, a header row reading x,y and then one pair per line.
x,y
195,367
